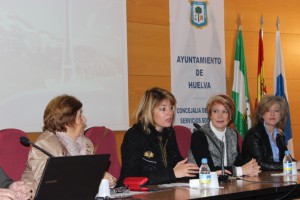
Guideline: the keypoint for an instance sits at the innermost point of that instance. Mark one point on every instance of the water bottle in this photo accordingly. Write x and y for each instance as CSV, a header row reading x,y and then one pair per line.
x,y
204,174
287,163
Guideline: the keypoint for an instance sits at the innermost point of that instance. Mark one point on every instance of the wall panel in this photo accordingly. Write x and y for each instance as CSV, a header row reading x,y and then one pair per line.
x,y
148,49
148,11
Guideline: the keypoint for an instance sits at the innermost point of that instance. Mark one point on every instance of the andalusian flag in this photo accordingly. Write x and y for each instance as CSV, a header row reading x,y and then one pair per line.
x,y
280,89
240,94
261,86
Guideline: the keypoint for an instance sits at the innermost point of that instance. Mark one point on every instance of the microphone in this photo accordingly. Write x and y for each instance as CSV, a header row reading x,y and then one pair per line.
x,y
25,141
223,177
197,126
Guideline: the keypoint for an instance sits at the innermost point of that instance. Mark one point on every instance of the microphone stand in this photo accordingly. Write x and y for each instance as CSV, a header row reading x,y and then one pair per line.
x,y
26,142
223,177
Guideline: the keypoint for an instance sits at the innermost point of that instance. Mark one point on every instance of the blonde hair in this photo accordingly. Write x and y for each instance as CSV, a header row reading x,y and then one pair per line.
x,y
265,104
151,99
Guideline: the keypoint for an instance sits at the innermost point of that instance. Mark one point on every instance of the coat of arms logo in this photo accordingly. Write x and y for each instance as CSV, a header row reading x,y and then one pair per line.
x,y
199,13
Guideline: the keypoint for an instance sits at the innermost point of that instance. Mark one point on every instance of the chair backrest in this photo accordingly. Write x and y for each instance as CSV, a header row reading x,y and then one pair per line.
x,y
183,138
104,141
240,141
13,155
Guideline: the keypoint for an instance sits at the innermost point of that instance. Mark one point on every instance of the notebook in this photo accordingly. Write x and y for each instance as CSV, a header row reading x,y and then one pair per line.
x,y
72,177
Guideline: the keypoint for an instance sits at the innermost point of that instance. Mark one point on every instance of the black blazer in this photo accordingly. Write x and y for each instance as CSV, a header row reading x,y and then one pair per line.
x,y
256,145
142,155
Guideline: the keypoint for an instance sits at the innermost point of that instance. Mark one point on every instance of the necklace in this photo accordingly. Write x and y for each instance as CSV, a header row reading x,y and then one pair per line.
x,y
163,149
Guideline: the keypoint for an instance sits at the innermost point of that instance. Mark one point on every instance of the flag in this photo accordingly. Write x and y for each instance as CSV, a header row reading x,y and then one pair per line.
x,y
240,94
280,89
261,86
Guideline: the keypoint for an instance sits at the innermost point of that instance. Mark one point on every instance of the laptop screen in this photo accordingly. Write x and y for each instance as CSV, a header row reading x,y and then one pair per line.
x,y
72,177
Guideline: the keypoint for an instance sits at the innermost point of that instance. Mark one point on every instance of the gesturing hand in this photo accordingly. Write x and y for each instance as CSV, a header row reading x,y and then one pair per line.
x,y
185,169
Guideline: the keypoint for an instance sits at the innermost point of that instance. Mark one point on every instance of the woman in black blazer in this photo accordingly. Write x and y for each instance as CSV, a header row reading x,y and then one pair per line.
x,y
149,148
265,141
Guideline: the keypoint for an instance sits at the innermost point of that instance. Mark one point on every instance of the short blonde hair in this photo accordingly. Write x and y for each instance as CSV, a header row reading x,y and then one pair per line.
x,y
151,99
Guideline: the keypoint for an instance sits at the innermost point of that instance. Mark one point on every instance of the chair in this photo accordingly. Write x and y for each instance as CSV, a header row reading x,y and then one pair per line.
x,y
13,155
240,141
183,138
104,142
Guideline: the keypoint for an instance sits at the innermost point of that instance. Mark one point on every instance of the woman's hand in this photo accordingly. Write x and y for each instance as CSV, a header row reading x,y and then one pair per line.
x,y
7,194
111,179
227,172
185,169
23,192
251,168
298,165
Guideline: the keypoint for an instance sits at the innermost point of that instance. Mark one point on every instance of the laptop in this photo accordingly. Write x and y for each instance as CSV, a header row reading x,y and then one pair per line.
x,y
72,177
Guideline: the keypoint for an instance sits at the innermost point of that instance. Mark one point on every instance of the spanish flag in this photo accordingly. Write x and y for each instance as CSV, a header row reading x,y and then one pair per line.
x,y
261,85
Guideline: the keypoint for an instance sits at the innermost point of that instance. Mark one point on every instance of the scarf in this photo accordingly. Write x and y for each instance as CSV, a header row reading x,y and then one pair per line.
x,y
74,148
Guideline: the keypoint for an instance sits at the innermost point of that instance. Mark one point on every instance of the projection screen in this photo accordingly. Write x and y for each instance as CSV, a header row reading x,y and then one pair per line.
x,y
55,47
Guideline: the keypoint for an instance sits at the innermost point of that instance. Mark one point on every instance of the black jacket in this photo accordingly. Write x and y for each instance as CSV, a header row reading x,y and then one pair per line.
x,y
142,155
256,145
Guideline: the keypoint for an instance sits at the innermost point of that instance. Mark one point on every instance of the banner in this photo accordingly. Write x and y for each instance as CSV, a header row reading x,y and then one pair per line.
x,y
280,89
240,93
197,57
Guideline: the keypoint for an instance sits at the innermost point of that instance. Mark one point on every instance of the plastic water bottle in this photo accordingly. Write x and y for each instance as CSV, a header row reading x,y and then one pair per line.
x,y
287,163
204,174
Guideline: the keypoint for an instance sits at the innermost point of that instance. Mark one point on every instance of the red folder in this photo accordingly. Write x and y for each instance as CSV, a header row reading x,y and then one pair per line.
x,y
136,183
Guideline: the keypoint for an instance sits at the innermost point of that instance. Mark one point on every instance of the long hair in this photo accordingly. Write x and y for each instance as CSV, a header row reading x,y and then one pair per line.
x,y
151,99
265,104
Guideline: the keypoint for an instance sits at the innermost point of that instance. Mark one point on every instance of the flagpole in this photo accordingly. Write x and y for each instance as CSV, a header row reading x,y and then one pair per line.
x,y
278,24
239,22
262,26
